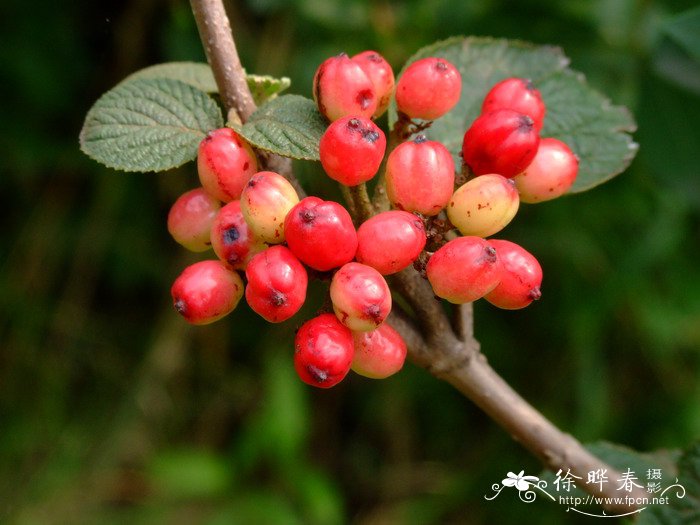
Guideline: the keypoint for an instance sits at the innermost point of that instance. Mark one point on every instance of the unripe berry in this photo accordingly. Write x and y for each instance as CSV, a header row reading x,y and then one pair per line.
x,y
428,88
265,202
521,277
276,284
390,241
323,351
420,176
352,149
190,219
342,88
206,291
231,238
382,76
550,174
464,270
517,94
379,353
225,162
361,298
502,142
320,233
484,205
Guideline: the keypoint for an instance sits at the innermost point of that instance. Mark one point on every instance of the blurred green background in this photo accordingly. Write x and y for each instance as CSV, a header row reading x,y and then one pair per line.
x,y
112,410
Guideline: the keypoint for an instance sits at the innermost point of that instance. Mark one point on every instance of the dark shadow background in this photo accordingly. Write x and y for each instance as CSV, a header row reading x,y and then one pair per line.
x,y
112,410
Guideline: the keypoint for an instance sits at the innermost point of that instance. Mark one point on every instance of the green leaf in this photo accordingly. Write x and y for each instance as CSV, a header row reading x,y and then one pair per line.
x,y
596,131
148,125
289,125
196,74
199,75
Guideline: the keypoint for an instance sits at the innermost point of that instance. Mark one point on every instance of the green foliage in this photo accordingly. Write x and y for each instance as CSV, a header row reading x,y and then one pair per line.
x,y
595,130
151,124
289,125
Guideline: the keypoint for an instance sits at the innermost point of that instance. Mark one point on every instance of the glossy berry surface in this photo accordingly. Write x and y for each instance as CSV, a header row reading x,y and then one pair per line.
x,y
321,233
231,238
277,284
517,94
265,202
190,219
323,351
502,142
352,149
420,176
390,241
464,270
380,73
206,291
484,205
428,88
225,162
521,277
342,88
379,353
550,174
361,297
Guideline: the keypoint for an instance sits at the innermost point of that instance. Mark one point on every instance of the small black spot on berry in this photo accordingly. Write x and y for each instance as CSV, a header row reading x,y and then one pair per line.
x,y
374,57
181,307
420,138
318,375
490,254
277,298
525,124
364,98
307,215
535,293
354,124
440,65
231,235
528,84
370,136
374,312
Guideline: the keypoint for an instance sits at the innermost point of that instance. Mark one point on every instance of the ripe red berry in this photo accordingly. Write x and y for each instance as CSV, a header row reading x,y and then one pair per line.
x,y
464,269
521,277
265,202
320,233
428,88
550,174
361,298
231,238
206,291
420,176
276,284
379,353
382,76
502,142
323,351
352,149
190,219
225,162
484,205
342,88
517,94
390,241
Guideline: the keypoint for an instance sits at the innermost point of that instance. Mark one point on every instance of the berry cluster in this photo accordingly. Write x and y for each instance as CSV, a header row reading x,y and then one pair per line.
x,y
265,231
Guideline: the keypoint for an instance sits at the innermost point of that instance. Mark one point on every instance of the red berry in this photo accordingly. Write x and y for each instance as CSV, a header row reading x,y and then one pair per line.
x,y
342,88
206,291
190,219
361,298
265,202
551,173
502,142
420,176
379,353
225,162
390,241
517,94
231,238
323,351
276,284
382,76
464,270
484,205
320,233
352,149
521,277
428,88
